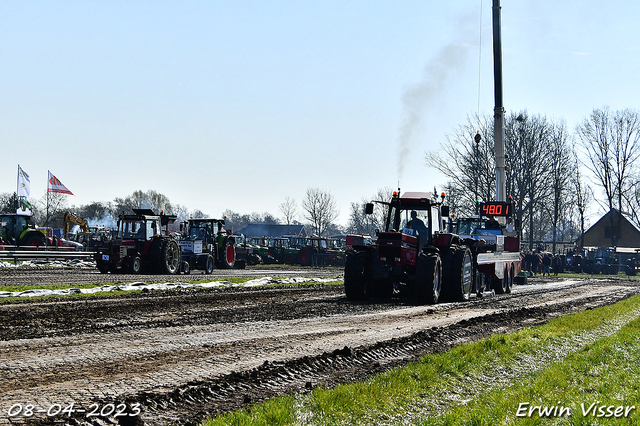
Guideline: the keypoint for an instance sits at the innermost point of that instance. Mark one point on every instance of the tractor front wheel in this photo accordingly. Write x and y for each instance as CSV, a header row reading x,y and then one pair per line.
x,y
428,281
461,275
208,269
135,267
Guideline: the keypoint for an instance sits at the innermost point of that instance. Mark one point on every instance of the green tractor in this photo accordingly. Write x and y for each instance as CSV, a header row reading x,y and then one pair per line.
x,y
18,230
280,250
206,245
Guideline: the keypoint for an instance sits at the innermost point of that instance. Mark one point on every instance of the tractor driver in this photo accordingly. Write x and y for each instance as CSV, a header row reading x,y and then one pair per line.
x,y
418,226
492,223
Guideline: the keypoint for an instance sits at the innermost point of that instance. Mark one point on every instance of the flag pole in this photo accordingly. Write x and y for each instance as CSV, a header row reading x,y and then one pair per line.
x,y
18,189
47,219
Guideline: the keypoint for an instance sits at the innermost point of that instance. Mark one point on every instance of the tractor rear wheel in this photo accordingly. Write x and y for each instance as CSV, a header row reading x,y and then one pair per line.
x,y
428,281
168,261
34,240
355,275
227,256
305,257
461,270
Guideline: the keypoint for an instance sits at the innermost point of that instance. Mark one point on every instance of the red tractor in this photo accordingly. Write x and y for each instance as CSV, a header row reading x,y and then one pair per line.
x,y
418,258
141,245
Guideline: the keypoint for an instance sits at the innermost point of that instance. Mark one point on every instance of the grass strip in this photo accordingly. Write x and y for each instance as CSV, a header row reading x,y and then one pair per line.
x,y
112,293
571,362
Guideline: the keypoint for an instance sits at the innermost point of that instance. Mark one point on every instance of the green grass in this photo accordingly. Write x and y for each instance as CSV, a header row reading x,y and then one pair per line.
x,y
231,280
583,358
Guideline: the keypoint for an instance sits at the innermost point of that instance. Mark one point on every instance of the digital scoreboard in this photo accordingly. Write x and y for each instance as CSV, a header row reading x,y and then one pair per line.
x,y
496,208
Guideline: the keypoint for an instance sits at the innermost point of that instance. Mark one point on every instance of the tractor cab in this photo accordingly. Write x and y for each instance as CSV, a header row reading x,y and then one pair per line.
x,y
417,216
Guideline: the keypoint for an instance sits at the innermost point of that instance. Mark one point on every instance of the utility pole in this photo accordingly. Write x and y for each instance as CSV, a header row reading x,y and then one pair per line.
x,y
498,111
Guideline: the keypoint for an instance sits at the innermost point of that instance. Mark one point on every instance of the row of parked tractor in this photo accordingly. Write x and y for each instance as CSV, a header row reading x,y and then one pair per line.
x,y
291,250
143,243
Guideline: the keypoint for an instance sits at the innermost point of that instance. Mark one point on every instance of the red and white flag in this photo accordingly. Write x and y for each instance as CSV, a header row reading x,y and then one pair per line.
x,y
54,185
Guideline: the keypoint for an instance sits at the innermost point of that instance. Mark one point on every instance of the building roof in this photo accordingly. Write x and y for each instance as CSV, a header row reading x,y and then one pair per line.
x,y
612,229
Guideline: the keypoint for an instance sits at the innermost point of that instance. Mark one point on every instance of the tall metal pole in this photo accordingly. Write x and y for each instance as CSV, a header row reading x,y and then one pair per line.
x,y
498,129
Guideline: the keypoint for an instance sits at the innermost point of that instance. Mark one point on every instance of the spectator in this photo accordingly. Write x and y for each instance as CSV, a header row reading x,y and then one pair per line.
x,y
557,264
546,264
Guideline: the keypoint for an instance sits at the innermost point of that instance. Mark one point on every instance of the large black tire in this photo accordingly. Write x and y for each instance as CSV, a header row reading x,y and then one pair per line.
x,y
428,282
33,238
460,281
135,266
226,258
355,275
208,266
504,285
169,257
305,257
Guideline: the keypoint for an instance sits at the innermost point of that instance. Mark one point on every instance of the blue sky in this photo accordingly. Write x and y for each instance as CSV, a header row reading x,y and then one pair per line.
x,y
237,105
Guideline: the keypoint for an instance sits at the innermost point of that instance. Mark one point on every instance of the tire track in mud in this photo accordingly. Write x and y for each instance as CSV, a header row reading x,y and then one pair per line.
x,y
239,389
332,346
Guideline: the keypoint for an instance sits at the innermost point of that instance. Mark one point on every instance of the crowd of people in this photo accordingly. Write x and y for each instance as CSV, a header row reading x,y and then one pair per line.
x,y
537,261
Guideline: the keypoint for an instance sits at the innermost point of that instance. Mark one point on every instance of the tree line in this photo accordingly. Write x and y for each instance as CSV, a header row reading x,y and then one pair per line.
x,y
546,174
546,169
318,209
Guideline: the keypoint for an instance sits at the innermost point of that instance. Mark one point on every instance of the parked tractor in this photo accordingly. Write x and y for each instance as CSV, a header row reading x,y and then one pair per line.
x,y
417,257
280,251
320,251
18,230
245,251
207,245
142,244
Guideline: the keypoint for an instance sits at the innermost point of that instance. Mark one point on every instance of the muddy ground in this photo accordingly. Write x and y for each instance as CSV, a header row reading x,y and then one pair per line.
x,y
180,355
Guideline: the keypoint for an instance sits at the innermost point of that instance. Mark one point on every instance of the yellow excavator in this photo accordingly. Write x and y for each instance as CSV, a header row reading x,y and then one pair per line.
x,y
70,219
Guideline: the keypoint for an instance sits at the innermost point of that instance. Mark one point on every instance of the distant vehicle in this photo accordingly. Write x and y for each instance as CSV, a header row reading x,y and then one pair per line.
x,y
143,243
18,230
207,245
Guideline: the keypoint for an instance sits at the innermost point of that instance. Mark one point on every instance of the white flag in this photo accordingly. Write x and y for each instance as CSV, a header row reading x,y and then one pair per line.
x,y
54,185
24,189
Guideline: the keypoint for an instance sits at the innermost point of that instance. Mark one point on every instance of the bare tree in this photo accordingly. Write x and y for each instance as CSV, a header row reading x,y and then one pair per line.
x,y
632,198
142,200
582,197
611,141
289,210
49,210
361,223
527,145
320,208
468,162
8,202
561,153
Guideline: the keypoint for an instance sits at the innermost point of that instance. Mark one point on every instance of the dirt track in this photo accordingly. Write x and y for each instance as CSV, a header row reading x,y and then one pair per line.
x,y
180,355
